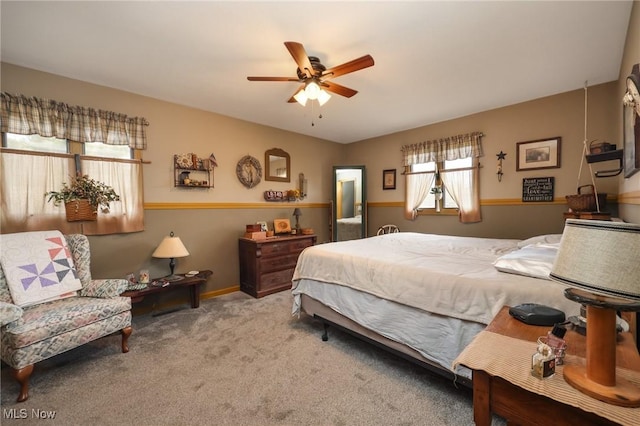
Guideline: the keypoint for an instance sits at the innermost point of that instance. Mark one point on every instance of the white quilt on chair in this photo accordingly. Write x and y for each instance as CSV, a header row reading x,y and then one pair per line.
x,y
38,267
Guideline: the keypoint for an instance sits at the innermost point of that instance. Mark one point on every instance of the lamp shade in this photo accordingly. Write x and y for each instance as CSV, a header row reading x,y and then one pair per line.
x,y
301,97
601,257
312,90
297,212
323,97
170,247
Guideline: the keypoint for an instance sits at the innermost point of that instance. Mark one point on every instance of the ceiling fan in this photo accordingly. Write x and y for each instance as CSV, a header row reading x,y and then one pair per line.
x,y
315,76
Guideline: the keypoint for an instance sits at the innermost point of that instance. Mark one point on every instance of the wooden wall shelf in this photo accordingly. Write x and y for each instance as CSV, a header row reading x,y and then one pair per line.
x,y
607,156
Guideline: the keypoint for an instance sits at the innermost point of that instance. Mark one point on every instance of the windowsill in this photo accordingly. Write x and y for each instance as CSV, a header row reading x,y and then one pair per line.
x,y
442,212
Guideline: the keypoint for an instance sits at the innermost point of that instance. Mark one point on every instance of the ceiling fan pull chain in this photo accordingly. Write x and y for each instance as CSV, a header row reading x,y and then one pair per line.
x,y
312,123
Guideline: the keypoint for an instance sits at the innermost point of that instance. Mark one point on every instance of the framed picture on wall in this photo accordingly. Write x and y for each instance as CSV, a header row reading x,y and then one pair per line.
x,y
389,179
631,123
538,154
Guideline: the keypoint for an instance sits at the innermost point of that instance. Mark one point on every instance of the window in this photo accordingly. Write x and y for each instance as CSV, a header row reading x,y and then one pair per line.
x,y
99,149
42,164
35,143
39,143
447,201
460,183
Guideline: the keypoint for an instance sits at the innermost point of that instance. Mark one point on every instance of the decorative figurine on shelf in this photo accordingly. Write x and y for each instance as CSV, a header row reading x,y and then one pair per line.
x,y
501,156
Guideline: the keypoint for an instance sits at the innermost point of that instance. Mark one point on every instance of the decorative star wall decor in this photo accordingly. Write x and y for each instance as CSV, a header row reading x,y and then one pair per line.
x,y
501,156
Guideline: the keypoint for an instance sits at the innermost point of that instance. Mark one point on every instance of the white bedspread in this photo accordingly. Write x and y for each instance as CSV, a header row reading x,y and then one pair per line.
x,y
445,275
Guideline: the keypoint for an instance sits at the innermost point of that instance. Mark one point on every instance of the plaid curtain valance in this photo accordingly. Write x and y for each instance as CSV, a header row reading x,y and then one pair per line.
x,y
30,115
451,148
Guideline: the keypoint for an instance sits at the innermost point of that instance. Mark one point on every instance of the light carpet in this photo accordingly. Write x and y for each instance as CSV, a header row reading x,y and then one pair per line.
x,y
235,360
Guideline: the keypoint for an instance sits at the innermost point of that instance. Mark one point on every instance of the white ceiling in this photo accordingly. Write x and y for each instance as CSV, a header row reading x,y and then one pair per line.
x,y
434,61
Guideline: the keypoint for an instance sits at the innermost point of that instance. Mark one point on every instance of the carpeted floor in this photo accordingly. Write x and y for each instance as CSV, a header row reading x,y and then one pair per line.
x,y
235,360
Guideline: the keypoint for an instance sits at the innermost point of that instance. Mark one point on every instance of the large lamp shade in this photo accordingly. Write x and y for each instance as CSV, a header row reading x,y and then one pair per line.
x,y
170,248
600,261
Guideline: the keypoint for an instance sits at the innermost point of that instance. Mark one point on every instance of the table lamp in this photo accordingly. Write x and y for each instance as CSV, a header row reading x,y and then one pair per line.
x,y
170,248
297,213
600,261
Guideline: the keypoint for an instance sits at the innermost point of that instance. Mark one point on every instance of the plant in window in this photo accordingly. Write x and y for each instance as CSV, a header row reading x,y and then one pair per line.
x,y
437,191
83,188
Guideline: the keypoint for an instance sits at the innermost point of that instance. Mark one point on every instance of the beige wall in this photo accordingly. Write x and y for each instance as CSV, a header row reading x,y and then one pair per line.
x,y
210,221
560,115
504,215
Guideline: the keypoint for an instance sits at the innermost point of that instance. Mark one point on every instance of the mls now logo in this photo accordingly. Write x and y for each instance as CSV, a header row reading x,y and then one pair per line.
x,y
14,413
23,413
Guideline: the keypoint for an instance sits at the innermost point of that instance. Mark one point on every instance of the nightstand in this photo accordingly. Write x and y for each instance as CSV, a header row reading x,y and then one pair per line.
x,y
497,389
192,283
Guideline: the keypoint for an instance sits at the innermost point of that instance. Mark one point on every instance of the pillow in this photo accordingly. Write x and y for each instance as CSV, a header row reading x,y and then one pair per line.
x,y
38,267
535,260
550,238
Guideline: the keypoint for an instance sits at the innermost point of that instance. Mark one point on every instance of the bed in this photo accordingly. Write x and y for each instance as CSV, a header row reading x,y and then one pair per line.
x,y
424,296
349,228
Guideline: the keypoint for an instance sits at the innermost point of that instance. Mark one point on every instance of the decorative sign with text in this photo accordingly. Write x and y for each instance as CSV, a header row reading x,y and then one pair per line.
x,y
537,189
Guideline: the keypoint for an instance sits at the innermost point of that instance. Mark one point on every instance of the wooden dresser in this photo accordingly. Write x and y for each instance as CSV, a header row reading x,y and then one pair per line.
x,y
266,266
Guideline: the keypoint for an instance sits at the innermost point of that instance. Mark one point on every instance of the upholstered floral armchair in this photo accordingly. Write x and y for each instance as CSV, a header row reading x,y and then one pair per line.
x,y
29,334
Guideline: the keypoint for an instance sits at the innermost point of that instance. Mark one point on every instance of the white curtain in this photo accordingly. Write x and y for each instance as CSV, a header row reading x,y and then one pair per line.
x,y
25,180
417,186
125,177
462,185
27,176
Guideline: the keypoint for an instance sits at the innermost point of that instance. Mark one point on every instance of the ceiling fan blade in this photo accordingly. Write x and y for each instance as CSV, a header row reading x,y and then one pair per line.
x,y
272,79
300,56
338,89
351,66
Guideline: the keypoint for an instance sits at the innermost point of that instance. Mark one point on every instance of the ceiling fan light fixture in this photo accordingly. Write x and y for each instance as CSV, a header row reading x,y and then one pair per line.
x,y
301,97
312,89
323,97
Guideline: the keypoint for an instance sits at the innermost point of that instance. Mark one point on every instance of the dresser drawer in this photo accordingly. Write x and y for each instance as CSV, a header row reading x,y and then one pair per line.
x,y
284,247
298,246
274,249
278,279
288,261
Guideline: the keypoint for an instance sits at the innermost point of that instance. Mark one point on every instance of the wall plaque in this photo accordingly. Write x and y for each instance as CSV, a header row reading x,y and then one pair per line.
x,y
537,189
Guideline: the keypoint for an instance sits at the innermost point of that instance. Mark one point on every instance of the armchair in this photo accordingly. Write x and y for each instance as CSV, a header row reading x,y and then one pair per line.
x,y
30,334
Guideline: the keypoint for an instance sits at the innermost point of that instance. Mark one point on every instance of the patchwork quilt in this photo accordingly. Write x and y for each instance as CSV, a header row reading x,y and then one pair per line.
x,y
38,267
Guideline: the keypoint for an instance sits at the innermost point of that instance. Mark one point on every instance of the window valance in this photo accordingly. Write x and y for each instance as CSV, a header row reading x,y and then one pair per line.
x,y
451,148
30,115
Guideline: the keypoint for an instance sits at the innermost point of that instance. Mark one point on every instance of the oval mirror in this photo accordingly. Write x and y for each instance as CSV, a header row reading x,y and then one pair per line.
x,y
277,165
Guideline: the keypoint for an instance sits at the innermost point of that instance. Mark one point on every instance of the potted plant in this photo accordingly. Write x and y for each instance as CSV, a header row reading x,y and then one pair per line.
x,y
83,197
437,192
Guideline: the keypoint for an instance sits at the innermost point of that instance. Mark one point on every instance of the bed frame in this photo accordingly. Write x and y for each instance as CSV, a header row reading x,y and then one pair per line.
x,y
329,317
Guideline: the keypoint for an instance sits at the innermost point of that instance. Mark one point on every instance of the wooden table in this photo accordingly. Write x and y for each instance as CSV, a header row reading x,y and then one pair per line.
x,y
192,283
518,406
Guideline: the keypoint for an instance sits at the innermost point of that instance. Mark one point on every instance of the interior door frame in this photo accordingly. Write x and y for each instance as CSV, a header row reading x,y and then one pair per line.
x,y
335,202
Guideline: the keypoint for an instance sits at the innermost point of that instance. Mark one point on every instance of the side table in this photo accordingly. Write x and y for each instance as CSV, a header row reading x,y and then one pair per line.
x,y
495,394
192,283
